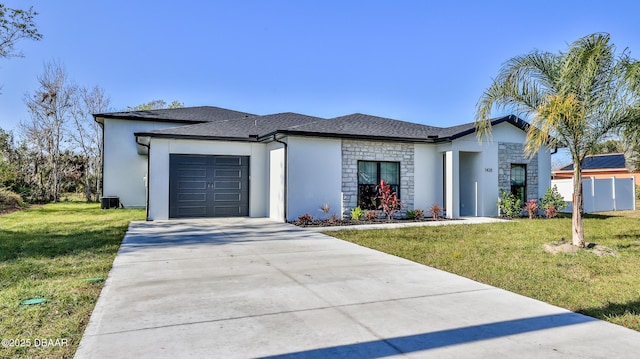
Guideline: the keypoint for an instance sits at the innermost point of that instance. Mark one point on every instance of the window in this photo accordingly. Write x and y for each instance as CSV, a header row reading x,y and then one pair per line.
x,y
370,174
519,181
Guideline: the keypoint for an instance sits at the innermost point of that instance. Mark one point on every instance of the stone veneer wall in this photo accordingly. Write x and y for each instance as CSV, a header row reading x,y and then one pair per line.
x,y
356,150
509,153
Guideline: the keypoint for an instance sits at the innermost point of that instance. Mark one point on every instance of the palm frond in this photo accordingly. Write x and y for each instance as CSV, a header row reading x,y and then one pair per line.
x,y
521,86
575,98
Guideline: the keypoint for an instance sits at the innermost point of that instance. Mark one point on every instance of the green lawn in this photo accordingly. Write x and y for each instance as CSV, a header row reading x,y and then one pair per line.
x,y
511,256
49,252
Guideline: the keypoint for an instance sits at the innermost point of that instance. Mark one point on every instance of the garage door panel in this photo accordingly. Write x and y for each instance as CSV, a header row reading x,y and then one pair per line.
x,y
192,197
190,172
186,160
208,186
225,161
227,197
192,211
187,185
228,173
223,211
231,185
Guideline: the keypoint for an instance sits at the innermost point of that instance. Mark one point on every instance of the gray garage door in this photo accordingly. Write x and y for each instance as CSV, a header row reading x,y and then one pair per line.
x,y
208,186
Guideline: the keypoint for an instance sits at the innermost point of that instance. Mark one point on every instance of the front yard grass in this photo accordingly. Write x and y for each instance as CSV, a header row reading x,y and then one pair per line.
x,y
49,252
511,256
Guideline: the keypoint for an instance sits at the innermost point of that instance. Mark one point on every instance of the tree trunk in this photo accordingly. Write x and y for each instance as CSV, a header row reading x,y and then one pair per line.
x,y
577,229
87,188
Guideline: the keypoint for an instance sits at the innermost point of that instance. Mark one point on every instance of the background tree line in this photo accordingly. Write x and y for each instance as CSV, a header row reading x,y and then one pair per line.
x,y
59,149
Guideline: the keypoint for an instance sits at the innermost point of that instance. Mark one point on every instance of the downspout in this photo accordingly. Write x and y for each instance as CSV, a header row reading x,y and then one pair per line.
x,y
148,175
286,176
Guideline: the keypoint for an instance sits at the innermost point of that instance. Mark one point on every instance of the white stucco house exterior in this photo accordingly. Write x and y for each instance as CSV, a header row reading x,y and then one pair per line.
x,y
209,162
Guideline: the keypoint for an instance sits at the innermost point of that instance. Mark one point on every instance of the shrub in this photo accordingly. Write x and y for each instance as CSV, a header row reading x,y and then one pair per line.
x,y
333,219
435,211
356,213
509,205
371,215
411,214
553,198
325,208
389,202
305,219
550,211
9,199
418,213
532,208
638,192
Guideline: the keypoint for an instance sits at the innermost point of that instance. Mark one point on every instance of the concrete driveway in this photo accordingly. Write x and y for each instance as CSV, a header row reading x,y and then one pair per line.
x,y
238,288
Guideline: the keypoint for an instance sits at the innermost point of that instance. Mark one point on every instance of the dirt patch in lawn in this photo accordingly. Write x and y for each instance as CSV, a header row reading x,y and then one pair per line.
x,y
563,246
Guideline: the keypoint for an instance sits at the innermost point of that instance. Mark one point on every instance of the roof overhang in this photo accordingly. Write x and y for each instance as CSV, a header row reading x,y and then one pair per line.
x,y
100,117
150,135
429,139
279,134
511,119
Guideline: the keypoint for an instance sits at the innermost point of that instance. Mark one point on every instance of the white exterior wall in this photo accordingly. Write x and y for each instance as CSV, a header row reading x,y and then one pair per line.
x,y
427,176
124,169
486,168
314,169
276,180
314,176
159,171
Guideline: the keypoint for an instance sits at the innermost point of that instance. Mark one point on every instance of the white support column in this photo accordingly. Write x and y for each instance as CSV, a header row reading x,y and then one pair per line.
x,y
448,195
476,198
452,198
456,183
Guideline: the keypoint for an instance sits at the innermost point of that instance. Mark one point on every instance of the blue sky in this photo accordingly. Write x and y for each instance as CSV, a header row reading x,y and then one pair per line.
x,y
419,61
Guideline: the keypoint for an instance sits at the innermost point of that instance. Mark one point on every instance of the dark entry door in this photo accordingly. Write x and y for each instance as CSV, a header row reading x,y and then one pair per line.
x,y
208,186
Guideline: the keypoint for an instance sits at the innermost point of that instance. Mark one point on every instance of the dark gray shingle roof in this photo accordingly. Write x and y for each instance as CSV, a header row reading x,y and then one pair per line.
x,y
597,162
238,128
181,115
209,122
361,125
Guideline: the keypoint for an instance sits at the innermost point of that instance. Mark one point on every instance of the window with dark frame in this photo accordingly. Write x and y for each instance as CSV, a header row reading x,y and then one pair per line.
x,y
370,173
519,181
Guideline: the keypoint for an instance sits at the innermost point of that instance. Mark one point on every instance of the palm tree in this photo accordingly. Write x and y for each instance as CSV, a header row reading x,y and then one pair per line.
x,y
631,147
574,100
630,132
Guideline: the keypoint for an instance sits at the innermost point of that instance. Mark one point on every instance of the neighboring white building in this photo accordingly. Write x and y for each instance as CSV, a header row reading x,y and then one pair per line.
x,y
210,162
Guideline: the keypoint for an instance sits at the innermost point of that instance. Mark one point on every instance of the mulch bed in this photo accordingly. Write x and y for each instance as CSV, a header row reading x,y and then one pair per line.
x,y
352,222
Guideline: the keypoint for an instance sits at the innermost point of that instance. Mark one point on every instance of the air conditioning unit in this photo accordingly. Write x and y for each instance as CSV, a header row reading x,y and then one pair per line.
x,y
109,202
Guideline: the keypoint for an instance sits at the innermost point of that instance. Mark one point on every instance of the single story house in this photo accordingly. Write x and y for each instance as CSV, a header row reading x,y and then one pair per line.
x,y
209,161
598,166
